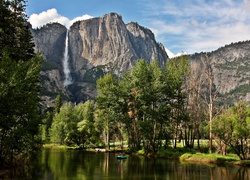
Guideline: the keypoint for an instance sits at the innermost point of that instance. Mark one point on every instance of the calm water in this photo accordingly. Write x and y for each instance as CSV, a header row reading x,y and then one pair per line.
x,y
74,165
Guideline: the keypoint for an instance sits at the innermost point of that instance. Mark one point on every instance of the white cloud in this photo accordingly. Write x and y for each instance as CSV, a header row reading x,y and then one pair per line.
x,y
199,25
84,17
163,27
48,16
51,15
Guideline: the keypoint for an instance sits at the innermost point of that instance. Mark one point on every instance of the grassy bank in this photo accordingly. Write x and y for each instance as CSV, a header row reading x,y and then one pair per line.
x,y
113,148
214,158
180,153
168,153
194,156
57,146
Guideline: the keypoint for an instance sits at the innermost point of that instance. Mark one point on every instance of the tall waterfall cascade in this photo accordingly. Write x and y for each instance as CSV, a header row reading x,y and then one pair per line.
x,y
66,69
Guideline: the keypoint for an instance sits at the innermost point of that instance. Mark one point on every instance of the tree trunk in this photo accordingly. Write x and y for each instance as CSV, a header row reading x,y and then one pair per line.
x,y
107,136
210,130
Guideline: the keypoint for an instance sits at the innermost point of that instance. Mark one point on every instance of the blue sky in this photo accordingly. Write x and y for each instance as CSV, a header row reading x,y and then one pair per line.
x,y
180,25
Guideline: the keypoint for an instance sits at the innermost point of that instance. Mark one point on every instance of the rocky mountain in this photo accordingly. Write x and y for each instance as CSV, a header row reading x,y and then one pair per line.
x,y
106,44
95,47
231,69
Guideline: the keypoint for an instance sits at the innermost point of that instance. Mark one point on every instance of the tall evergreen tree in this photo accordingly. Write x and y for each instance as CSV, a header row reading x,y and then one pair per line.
x,y
176,71
58,104
19,87
107,101
15,37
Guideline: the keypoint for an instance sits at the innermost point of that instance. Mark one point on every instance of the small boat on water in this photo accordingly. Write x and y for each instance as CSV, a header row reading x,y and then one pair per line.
x,y
121,157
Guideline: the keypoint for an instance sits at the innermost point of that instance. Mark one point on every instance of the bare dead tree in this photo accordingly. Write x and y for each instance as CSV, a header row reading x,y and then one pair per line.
x,y
195,107
211,94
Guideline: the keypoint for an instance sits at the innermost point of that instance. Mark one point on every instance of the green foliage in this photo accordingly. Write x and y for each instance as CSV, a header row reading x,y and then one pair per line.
x,y
58,104
107,88
74,125
89,136
241,90
107,102
15,37
232,127
47,66
208,158
92,75
19,86
19,100
46,125
63,125
142,101
176,71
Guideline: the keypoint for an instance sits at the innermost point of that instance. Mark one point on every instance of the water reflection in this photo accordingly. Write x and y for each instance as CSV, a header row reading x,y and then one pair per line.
x,y
72,164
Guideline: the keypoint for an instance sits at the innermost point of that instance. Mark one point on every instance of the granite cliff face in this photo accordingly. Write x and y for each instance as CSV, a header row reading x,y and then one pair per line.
x,y
107,44
96,46
231,69
49,41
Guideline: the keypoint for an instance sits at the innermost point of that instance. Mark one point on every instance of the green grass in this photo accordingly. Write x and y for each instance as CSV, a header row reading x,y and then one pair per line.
x,y
57,146
173,153
211,158
179,153
169,153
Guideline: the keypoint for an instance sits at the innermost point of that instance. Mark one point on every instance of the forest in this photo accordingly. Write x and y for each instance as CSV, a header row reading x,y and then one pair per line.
x,y
152,109
19,86
148,108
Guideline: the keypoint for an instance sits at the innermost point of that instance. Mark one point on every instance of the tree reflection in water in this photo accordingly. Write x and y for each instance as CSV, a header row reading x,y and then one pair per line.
x,y
73,164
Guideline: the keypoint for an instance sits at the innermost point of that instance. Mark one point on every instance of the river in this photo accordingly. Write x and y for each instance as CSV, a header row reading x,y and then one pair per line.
x,y
80,165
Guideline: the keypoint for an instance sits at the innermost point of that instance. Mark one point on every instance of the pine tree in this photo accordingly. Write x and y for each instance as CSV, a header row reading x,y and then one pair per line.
x,y
15,37
19,85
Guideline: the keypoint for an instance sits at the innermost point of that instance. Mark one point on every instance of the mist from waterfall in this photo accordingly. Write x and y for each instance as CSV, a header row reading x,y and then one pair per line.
x,y
66,70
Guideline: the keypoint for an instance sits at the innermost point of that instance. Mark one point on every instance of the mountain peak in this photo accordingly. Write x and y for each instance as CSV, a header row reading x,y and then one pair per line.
x,y
113,15
181,53
97,46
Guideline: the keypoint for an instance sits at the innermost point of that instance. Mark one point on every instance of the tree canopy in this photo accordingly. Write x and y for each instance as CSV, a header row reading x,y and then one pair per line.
x,y
233,129
144,100
19,84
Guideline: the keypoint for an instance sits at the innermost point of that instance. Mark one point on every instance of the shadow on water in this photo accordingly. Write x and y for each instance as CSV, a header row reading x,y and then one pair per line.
x,y
73,164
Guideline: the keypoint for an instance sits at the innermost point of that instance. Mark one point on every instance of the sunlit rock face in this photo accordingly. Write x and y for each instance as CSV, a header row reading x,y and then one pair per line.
x,y
50,41
95,46
231,69
106,44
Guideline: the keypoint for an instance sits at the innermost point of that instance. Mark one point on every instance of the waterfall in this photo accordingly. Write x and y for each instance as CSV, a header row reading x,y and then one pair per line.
x,y
66,70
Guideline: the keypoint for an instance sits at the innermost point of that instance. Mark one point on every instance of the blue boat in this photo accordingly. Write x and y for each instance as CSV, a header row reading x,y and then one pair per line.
x,y
121,157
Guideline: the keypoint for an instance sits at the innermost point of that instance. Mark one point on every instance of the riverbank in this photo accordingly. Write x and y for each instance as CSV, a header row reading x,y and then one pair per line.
x,y
56,146
82,164
180,153
214,159
192,156
96,149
